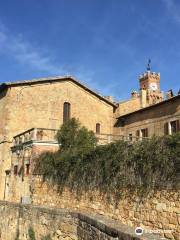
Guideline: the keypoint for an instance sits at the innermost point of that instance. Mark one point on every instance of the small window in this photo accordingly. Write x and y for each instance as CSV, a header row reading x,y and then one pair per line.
x,y
27,169
130,137
137,134
166,131
15,170
174,126
98,128
144,132
66,111
171,127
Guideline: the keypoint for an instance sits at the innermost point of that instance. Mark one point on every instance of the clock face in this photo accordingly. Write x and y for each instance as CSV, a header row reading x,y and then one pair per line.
x,y
153,86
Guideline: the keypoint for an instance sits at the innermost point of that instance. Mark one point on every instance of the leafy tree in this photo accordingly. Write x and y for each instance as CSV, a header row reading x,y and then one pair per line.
x,y
74,139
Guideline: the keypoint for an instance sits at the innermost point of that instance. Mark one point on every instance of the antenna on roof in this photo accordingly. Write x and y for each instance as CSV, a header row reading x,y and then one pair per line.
x,y
148,65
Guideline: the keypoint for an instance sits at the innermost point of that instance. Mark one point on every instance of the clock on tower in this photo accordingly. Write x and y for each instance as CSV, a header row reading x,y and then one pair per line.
x,y
150,88
153,86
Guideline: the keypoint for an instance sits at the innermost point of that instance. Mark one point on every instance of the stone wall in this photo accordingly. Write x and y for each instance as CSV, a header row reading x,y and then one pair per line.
x,y
4,140
128,106
41,105
19,185
17,220
152,118
159,211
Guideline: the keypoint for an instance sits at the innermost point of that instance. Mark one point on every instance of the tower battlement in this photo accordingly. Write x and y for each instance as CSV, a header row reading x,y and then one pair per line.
x,y
149,74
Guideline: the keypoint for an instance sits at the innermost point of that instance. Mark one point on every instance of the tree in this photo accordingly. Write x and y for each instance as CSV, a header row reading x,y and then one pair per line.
x,y
74,138
75,141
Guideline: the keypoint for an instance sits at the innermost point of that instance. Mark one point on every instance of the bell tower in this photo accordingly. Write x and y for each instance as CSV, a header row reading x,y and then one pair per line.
x,y
150,87
150,81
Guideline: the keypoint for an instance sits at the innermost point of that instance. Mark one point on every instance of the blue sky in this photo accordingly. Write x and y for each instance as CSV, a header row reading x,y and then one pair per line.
x,y
103,43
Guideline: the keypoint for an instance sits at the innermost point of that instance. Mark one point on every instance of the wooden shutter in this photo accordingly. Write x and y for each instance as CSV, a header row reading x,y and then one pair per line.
x,y
146,132
177,124
66,111
166,129
98,128
137,133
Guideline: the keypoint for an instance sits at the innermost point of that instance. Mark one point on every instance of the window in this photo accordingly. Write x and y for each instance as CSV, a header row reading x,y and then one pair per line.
x,y
171,127
174,126
144,132
98,128
130,137
166,130
137,134
66,111
15,170
27,169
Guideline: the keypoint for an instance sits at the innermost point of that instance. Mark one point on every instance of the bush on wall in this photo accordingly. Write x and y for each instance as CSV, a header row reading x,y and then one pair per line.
x,y
83,166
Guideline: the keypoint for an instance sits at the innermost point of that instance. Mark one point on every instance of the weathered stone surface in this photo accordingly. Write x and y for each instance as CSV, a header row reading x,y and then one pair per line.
x,y
61,224
129,211
41,105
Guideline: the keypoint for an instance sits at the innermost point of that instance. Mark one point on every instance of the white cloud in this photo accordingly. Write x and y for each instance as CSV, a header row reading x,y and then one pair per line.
x,y
173,9
26,54
35,58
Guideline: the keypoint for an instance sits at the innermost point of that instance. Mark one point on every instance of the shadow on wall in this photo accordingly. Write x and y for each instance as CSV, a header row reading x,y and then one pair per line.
x,y
4,91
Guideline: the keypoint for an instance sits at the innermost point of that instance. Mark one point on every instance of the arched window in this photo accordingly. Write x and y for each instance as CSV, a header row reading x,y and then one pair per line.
x,y
66,111
98,128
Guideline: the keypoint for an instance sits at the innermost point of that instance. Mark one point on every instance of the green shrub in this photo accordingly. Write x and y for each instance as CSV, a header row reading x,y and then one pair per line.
x,y
141,167
74,138
31,234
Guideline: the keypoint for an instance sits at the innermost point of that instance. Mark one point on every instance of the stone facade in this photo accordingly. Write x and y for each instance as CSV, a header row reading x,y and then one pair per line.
x,y
18,219
128,106
159,211
40,104
153,118
149,94
32,111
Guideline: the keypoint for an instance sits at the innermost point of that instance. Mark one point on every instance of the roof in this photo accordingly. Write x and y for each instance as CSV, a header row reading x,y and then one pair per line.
x,y
150,107
5,85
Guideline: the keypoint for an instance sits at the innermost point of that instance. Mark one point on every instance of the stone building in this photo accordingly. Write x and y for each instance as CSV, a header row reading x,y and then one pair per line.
x,y
159,119
45,103
32,111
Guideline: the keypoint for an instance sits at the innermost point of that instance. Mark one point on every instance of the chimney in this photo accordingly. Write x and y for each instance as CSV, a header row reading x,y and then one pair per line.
x,y
134,94
169,94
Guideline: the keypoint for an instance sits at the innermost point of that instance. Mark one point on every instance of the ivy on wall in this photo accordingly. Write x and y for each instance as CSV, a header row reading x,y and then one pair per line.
x,y
139,167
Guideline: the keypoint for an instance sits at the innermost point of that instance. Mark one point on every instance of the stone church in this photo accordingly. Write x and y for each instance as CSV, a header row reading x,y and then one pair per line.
x,y
32,111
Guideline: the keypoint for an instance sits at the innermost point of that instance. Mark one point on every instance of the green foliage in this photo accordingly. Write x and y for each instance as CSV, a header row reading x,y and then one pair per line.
x,y
141,167
74,138
31,234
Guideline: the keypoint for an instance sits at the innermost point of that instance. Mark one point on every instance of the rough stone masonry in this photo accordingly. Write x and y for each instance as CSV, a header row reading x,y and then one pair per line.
x,y
17,219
